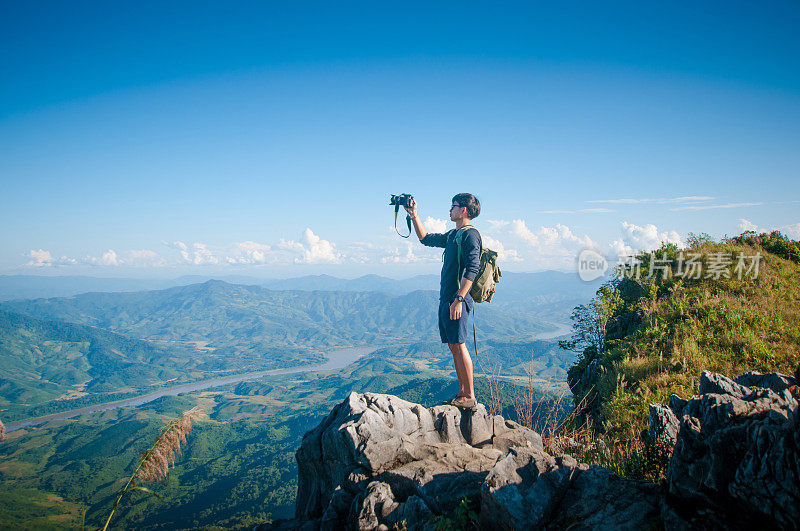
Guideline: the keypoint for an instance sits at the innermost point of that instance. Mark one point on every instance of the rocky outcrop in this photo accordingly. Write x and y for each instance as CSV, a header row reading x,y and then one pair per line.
x,y
736,455
377,459
378,462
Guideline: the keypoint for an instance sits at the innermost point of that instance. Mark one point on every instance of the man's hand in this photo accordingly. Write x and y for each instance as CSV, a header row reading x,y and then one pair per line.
x,y
455,310
412,210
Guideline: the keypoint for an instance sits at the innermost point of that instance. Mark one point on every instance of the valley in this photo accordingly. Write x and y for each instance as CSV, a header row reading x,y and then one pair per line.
x,y
87,380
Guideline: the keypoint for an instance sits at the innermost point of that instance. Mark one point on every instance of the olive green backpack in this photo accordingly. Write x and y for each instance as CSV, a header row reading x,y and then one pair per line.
x,y
483,287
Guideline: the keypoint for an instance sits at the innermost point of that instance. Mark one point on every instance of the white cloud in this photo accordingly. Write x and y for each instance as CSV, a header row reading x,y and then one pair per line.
x,y
745,225
396,256
108,258
362,252
362,245
435,225
202,255
137,257
143,258
619,249
290,245
503,254
312,249
393,250
250,253
560,237
635,239
792,231
545,247
497,224
182,247
710,207
199,254
40,258
519,229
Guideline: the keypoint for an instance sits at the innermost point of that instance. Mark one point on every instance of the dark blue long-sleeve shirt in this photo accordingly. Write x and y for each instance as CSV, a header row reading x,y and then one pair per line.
x,y
470,260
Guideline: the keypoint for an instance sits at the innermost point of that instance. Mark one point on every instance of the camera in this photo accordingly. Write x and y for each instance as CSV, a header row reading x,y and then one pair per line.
x,y
403,200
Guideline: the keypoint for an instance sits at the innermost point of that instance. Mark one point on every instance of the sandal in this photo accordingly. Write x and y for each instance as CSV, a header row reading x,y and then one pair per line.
x,y
464,402
449,402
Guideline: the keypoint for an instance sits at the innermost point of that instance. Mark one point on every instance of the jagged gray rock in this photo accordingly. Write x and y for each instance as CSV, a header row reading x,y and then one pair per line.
x,y
713,383
377,460
524,488
737,456
529,489
664,425
774,380
601,499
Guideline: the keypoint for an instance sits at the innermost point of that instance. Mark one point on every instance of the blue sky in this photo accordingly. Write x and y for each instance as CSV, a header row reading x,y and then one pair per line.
x,y
265,138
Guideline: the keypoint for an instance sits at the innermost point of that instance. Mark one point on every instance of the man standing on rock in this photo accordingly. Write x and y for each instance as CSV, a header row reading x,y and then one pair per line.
x,y
455,303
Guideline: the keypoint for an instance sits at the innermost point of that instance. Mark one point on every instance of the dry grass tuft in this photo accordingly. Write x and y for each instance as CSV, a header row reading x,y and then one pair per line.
x,y
155,463
495,405
2,431
526,405
157,460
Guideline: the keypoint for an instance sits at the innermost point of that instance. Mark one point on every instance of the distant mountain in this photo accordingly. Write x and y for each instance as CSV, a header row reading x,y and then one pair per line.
x,y
40,286
364,283
513,287
243,319
544,286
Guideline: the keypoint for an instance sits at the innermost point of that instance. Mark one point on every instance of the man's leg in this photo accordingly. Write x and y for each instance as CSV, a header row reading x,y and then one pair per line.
x,y
463,363
462,389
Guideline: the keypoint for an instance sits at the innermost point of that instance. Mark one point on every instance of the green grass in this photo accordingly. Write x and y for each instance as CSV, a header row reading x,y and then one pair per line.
x,y
32,509
683,326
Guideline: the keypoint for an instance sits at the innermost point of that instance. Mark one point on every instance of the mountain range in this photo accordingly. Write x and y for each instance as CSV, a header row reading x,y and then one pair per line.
x,y
514,286
91,345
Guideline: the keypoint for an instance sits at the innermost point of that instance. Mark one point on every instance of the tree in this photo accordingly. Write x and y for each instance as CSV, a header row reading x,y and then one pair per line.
x,y
590,321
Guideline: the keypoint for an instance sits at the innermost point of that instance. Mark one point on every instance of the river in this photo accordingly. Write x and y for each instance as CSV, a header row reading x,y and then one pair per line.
x,y
337,359
561,330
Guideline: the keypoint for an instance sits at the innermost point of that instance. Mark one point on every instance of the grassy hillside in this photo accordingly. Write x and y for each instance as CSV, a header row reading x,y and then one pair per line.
x,y
646,339
43,360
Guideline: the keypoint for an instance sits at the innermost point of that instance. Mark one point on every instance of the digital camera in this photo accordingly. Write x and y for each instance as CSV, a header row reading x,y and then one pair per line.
x,y
403,200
